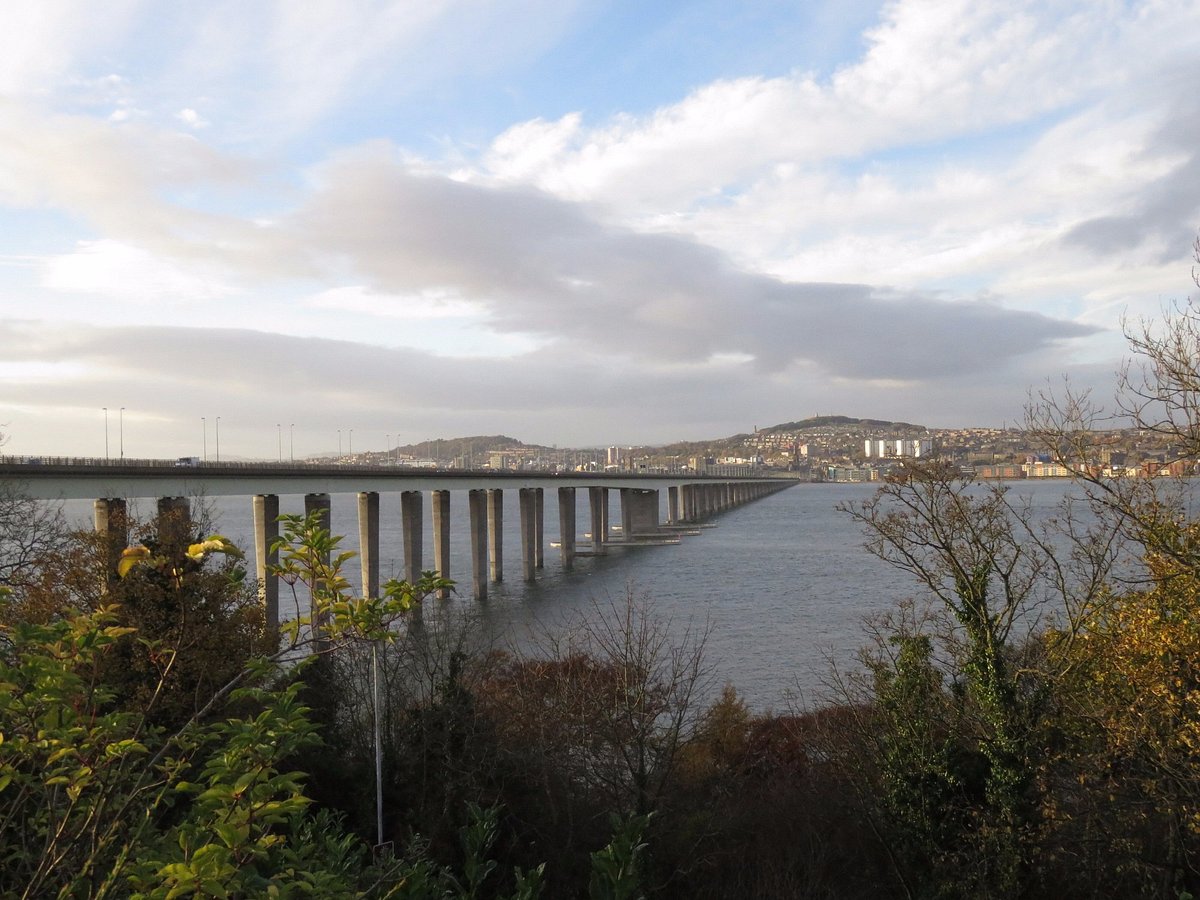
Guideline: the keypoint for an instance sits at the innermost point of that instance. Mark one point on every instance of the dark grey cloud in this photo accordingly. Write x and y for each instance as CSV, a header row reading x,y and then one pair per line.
x,y
1164,215
168,378
553,268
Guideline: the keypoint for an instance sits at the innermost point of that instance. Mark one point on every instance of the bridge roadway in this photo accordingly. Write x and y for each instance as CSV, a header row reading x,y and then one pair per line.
x,y
691,499
154,478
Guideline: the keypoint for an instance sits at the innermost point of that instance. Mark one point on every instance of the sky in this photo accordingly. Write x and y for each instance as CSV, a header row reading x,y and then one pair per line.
x,y
577,223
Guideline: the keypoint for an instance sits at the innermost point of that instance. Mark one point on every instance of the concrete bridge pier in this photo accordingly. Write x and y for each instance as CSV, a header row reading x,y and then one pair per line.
x,y
495,517
266,532
111,518
477,503
598,506
368,541
528,507
411,518
639,513
539,501
174,521
440,501
566,526
319,505
674,516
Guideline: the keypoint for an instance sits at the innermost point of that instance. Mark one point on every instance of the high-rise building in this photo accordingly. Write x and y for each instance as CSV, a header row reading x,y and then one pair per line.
x,y
892,448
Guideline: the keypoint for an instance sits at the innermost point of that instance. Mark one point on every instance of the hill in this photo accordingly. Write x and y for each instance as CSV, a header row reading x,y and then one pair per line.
x,y
815,422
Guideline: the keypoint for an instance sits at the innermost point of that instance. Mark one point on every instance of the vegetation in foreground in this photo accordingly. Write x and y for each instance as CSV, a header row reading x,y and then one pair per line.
x,y
1027,726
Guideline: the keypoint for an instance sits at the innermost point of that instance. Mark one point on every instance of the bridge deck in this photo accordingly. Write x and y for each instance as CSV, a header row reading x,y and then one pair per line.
x,y
66,481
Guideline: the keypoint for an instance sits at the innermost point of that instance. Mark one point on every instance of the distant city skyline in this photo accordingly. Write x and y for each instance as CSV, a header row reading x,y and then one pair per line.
x,y
578,223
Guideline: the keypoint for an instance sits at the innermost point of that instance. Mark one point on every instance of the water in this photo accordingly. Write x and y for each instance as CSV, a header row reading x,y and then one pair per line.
x,y
783,583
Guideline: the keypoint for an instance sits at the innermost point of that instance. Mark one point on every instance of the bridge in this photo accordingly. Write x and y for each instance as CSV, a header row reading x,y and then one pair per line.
x,y
691,499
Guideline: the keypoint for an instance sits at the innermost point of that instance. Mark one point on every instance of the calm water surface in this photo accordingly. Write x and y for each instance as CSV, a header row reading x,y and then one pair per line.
x,y
783,582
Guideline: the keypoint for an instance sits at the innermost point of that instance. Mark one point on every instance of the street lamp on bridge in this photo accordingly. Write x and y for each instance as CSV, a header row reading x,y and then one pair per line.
x,y
105,408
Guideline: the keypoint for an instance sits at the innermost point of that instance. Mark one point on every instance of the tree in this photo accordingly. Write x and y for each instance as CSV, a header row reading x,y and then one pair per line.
x,y
96,799
1157,393
1136,664
30,531
958,698
598,720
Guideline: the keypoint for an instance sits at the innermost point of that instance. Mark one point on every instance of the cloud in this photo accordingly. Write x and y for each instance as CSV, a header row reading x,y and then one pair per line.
x,y
95,266
167,378
1163,211
962,207
930,72
275,71
544,266
41,43
116,177
191,118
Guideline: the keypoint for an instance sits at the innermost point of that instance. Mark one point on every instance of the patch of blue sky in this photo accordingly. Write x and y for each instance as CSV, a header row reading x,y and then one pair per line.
x,y
38,232
620,58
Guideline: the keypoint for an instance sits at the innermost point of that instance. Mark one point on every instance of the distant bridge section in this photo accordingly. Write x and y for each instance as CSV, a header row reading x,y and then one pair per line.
x,y
691,500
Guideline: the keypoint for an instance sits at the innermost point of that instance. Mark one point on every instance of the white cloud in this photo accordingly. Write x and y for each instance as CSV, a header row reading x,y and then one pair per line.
x,y
95,267
43,42
431,304
191,118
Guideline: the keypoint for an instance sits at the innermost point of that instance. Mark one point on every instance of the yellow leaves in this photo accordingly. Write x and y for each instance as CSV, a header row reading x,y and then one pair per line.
x,y
1139,665
216,544
177,568
130,557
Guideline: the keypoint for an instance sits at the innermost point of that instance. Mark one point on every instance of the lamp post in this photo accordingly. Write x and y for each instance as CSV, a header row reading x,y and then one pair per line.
x,y
121,430
105,408
292,441
351,445
204,431
218,438
279,431
387,458
339,445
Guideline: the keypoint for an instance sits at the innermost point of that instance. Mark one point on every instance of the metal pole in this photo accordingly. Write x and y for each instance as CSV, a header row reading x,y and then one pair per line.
x,y
121,426
339,444
378,745
351,447
292,441
218,438
105,408
204,428
279,430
